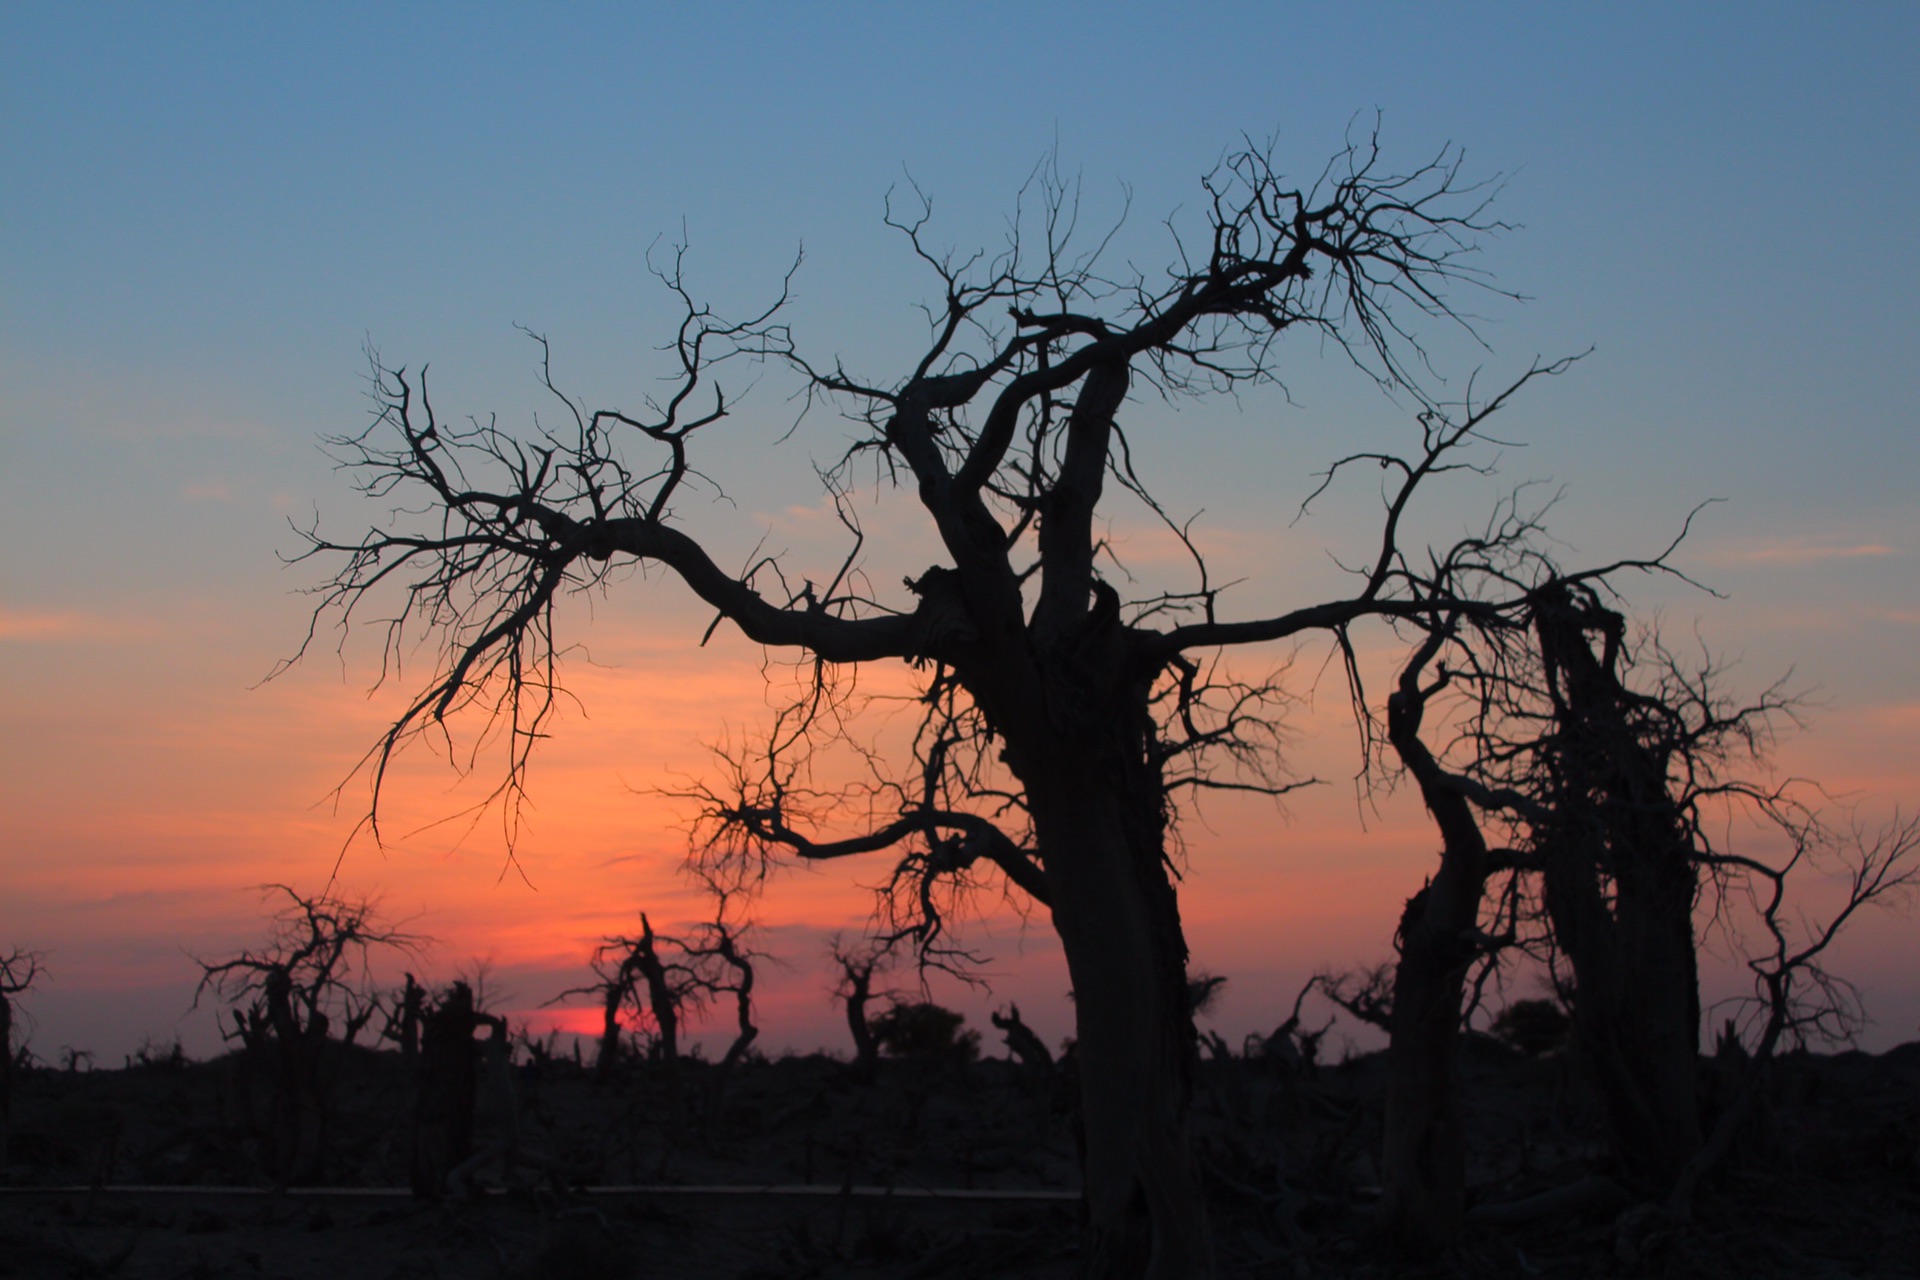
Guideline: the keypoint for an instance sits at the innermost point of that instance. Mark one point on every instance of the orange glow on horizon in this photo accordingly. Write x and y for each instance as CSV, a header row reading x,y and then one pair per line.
x,y
238,794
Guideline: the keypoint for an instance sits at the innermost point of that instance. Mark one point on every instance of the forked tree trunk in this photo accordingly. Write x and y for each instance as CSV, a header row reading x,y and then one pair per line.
x,y
741,988
746,1032
1118,919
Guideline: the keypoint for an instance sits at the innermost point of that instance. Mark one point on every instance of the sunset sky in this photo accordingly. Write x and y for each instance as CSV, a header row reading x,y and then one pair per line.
x,y
209,212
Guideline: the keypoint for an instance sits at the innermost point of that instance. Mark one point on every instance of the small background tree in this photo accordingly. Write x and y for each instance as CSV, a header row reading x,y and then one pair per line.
x,y
1534,1027
290,1002
858,966
925,1032
19,970
637,983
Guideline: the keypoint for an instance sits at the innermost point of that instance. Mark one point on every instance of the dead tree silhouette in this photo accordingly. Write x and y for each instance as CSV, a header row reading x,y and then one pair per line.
x,y
305,991
446,1089
1606,765
858,967
1797,1001
1023,1042
622,965
1364,994
723,967
406,1010
1063,723
1442,932
19,970
1630,754
1620,879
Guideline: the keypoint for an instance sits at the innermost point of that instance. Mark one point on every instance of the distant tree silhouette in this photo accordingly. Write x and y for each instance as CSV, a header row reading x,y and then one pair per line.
x,y
405,1012
1296,1050
723,966
1365,994
306,988
624,965
1062,723
447,1088
1022,1041
1534,1027
19,970
924,1031
1202,990
857,967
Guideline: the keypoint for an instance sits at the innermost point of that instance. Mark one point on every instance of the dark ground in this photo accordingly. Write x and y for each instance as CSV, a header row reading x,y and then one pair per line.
x,y
800,1170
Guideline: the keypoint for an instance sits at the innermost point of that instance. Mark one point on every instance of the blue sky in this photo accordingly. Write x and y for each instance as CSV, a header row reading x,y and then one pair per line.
x,y
206,211
216,206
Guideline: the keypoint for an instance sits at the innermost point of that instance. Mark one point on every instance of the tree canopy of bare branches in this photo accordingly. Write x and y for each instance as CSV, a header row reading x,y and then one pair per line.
x,y
1060,721
308,987
310,979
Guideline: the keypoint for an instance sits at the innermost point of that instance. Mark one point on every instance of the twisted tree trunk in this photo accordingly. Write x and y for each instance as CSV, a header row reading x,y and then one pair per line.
x,y
1423,1159
662,998
859,991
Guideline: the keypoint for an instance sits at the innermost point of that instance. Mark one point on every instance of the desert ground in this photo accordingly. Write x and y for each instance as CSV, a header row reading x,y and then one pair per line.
x,y
944,1167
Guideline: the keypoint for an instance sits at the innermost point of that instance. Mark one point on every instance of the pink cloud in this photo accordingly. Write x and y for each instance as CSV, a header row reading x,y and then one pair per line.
x,y
1809,551
33,625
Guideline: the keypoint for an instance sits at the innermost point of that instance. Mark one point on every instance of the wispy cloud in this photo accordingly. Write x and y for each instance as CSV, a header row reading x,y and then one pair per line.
x,y
209,491
1898,715
1799,551
56,626
30,625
